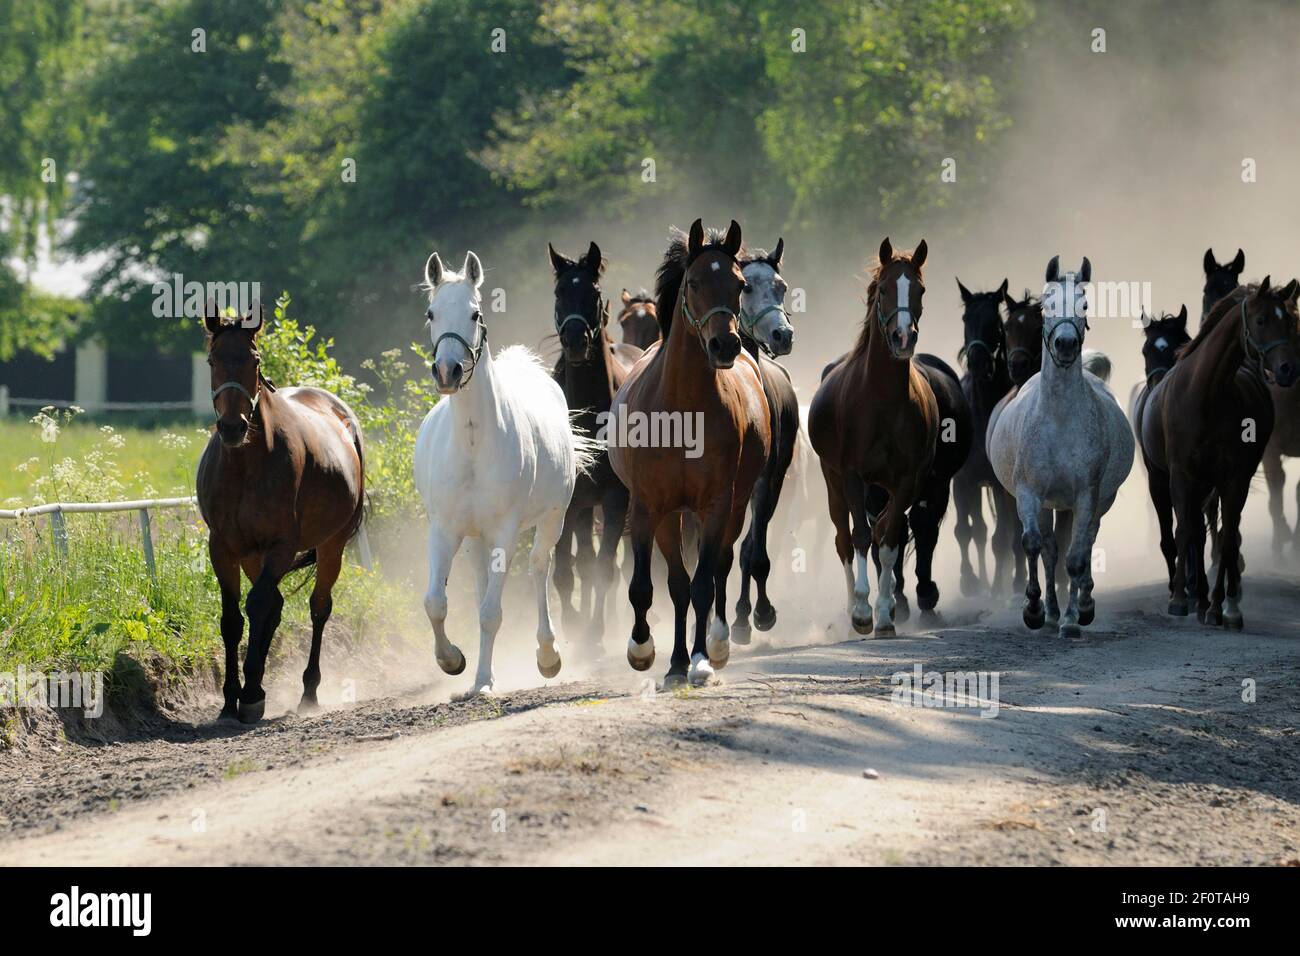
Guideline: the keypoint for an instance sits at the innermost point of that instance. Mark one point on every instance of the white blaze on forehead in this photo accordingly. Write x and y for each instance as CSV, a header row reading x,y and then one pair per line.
x,y
904,304
1162,343
715,265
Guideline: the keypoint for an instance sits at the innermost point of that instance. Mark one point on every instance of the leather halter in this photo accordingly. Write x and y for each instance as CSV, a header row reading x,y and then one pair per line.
x,y
253,398
749,321
589,331
1248,343
480,333
1047,339
886,319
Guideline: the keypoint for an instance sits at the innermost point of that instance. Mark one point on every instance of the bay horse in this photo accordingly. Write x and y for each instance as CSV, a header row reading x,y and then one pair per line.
x,y
590,370
281,486
1163,338
638,319
701,370
494,458
1220,279
890,433
986,381
1204,428
1062,444
766,334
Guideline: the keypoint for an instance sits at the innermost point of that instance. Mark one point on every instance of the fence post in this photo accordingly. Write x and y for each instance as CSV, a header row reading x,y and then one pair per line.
x,y
146,538
60,530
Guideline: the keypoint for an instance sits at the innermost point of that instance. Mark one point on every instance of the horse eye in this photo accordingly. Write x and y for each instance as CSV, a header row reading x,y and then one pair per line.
x,y
746,288
428,313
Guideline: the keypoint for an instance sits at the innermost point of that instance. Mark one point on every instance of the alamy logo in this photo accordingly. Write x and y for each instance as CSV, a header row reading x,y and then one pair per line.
x,y
623,428
60,690
179,299
977,690
75,908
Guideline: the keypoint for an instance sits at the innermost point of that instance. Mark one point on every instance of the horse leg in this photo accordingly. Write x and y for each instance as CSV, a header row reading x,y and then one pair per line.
x,y
640,590
838,509
564,565
1158,486
584,534
740,631
225,565
263,608
1234,500
1049,523
966,502
613,517
859,574
329,562
1275,477
1078,564
764,612
1028,508
539,559
1018,557
703,587
889,534
442,548
1180,497
668,535
1211,522
924,518
1004,512
1064,528
718,645
494,563
902,610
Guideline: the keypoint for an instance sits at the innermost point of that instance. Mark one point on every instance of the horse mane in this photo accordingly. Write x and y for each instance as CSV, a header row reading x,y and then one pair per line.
x,y
873,284
668,278
1215,316
643,296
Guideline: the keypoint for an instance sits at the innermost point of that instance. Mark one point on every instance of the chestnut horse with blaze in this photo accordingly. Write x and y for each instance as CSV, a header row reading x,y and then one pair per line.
x,y
698,369
281,486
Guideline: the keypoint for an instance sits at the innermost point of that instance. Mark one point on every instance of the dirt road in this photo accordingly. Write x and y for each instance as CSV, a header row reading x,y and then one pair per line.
x,y
1133,745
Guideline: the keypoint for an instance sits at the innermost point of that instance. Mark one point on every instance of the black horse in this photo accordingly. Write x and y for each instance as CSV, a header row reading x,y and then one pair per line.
x,y
590,369
764,328
1220,279
986,382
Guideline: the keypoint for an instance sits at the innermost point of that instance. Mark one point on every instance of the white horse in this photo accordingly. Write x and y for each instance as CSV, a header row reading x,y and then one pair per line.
x,y
495,457
1062,444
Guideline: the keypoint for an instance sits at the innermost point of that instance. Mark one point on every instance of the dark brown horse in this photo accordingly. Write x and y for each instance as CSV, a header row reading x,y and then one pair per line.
x,y
1203,431
281,486
875,422
590,370
700,378
638,319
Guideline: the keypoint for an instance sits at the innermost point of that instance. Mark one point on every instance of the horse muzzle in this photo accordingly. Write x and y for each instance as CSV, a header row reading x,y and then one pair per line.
x,y
232,433
448,376
1284,375
782,340
723,350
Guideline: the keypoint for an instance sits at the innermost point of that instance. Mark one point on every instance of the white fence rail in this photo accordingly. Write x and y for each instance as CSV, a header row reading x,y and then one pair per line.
x,y
59,527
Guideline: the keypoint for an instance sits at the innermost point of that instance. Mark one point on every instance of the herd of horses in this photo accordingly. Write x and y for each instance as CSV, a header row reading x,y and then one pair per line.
x,y
1031,428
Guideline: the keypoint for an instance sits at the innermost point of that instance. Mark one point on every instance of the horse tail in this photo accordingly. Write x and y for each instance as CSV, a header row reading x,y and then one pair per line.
x,y
586,449
1097,362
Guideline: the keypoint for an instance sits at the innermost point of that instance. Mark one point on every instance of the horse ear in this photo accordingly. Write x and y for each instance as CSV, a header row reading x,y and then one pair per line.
x,y
1239,262
473,270
1289,290
695,239
775,258
595,262
558,262
626,297
1182,317
433,271
919,254
1263,283
731,244
1208,263
886,253
1002,289
1054,269
255,319
965,292
1010,303
1085,270
211,317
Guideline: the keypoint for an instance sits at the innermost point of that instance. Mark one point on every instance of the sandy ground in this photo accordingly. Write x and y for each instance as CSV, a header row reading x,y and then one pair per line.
x,y
1133,745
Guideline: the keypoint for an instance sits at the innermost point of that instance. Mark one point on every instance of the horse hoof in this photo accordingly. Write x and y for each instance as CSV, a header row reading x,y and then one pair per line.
x,y
886,630
1213,617
1071,630
741,633
456,666
1034,618
701,672
1233,622
970,585
1200,615
765,622
252,713
307,707
719,652
901,610
1087,616
927,595
641,656
674,680
862,624
1052,620
229,715
479,690
1178,608
547,666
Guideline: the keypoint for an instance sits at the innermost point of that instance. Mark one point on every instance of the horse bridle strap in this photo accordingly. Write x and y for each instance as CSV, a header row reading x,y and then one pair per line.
x,y
1047,340
1248,343
480,333
749,321
253,397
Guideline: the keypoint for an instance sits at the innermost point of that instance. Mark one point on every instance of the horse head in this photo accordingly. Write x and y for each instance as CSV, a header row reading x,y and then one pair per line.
x,y
710,298
236,371
762,313
1270,327
1220,278
1065,312
1023,335
455,321
638,320
580,315
1163,337
898,291
982,337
